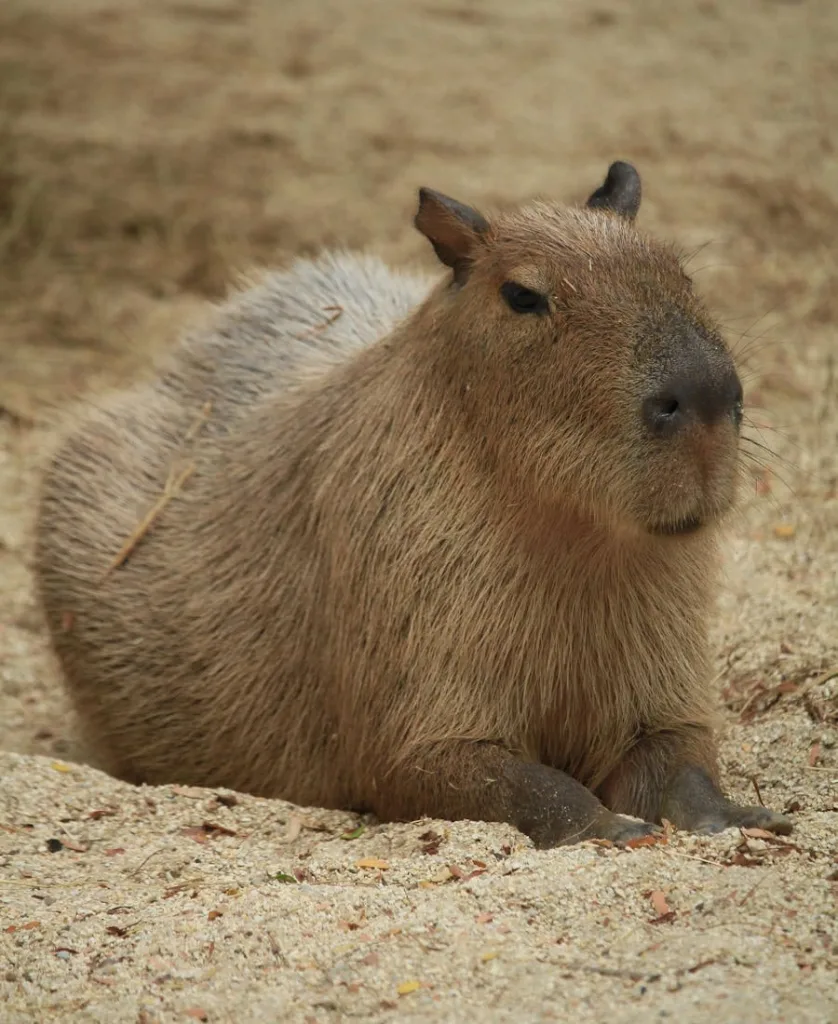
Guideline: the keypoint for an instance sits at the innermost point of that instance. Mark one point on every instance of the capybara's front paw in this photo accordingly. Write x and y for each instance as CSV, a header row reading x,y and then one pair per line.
x,y
620,830
695,803
734,816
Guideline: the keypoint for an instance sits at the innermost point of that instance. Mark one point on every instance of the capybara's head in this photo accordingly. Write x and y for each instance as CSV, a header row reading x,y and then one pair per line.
x,y
583,361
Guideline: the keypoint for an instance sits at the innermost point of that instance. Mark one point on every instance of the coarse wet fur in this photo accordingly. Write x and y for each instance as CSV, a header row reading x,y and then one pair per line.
x,y
441,548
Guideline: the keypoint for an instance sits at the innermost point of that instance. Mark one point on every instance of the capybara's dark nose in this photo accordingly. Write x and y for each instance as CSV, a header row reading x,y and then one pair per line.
x,y
702,387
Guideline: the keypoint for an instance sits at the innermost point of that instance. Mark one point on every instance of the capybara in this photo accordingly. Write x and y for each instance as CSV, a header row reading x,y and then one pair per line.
x,y
421,548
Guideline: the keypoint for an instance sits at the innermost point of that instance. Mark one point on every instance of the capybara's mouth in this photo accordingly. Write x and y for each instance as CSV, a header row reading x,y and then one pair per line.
x,y
678,527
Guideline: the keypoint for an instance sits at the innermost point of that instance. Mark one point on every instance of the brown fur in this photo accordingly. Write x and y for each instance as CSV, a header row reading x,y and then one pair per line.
x,y
415,561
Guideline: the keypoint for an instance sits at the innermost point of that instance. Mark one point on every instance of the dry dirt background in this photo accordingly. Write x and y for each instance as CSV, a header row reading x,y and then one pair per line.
x,y
148,149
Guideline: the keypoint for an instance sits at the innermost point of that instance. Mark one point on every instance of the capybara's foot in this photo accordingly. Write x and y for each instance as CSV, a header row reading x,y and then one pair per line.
x,y
734,816
621,830
695,803
557,810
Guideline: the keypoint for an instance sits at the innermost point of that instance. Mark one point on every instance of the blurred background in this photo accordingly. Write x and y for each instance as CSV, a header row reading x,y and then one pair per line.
x,y
149,148
152,149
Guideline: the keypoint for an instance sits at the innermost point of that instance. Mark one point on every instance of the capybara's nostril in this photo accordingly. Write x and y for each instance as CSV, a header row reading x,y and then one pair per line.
x,y
663,414
700,393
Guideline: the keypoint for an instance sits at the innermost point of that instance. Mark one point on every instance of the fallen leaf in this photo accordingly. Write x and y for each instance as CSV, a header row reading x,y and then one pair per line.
x,y
757,833
659,903
115,852
661,907
650,840
814,754
488,956
209,830
370,960
113,929
455,871
59,767
408,986
213,915
484,918
103,812
75,847
443,875
372,862
784,530
30,925
430,842
196,833
217,830
356,833
282,876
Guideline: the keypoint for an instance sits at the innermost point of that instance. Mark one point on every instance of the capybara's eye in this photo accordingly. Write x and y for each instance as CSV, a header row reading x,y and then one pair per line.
x,y
523,300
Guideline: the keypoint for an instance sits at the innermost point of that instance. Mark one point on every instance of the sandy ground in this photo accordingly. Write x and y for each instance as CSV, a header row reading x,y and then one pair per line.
x,y
148,150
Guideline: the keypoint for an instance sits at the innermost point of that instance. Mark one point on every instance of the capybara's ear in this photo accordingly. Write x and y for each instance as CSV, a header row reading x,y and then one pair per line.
x,y
452,228
620,192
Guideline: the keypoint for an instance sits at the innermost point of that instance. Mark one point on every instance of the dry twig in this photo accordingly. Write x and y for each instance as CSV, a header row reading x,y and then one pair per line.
x,y
173,485
336,311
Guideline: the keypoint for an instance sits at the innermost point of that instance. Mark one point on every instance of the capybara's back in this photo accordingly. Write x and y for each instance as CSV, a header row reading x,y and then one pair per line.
x,y
131,626
445,550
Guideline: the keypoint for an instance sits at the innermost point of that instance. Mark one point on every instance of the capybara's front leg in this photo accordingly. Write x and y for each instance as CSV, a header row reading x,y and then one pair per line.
x,y
674,774
483,782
